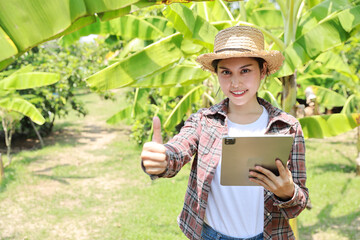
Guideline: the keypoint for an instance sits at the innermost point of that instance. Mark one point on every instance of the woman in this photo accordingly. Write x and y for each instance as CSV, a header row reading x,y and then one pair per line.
x,y
213,211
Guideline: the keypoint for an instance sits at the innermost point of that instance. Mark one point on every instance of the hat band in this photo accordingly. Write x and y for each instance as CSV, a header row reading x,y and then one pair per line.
x,y
233,49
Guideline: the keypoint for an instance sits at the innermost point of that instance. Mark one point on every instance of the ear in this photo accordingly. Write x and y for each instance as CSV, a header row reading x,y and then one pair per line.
x,y
264,70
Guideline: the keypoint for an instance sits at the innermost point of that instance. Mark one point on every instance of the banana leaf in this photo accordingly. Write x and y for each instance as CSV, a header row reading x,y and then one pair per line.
x,y
214,11
267,18
154,59
273,85
29,23
322,37
268,96
108,15
139,106
319,12
351,105
25,24
120,27
322,126
133,46
179,75
191,25
140,101
120,116
161,24
190,48
8,48
330,60
183,107
328,98
24,107
18,81
315,78
174,92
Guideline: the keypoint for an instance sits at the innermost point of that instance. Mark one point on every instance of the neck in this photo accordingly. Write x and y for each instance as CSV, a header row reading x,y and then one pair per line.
x,y
245,114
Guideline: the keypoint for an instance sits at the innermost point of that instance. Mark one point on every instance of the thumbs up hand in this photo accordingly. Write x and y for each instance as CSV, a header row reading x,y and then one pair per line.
x,y
153,153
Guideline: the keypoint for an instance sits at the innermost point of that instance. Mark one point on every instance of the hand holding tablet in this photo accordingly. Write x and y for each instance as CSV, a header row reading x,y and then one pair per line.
x,y
242,154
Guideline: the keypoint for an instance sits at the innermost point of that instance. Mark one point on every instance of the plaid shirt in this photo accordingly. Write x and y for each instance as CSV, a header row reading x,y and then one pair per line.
x,y
201,136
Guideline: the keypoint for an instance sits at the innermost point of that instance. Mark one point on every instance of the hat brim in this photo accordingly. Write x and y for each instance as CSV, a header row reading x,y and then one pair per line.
x,y
273,58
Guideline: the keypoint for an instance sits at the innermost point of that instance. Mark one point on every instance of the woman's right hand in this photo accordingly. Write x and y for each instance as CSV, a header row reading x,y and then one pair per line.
x,y
153,153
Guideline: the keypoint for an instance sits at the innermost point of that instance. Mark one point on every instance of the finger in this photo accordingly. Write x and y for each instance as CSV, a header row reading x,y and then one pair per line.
x,y
288,165
154,164
157,130
266,172
268,181
155,171
280,167
159,157
259,176
154,147
259,182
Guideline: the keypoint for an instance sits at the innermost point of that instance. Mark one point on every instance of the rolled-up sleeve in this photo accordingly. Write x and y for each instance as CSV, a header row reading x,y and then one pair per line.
x,y
293,207
182,147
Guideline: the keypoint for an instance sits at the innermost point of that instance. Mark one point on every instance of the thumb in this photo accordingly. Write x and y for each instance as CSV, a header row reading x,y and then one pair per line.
x,y
157,130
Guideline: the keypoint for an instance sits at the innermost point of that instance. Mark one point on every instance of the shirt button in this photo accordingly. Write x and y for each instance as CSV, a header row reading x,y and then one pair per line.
x,y
268,214
269,193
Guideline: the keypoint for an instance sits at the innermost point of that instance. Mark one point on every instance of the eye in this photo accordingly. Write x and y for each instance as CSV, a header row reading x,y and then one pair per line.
x,y
245,70
225,72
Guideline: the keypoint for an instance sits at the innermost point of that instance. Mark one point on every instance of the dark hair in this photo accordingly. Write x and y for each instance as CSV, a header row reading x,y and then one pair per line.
x,y
260,61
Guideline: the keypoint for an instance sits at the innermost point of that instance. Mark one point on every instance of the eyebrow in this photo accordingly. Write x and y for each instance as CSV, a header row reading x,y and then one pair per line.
x,y
247,65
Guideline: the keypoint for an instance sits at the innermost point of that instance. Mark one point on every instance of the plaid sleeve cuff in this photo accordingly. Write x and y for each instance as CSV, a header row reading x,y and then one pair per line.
x,y
290,203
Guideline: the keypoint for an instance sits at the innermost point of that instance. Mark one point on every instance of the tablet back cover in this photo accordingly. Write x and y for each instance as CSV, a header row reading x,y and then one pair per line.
x,y
239,154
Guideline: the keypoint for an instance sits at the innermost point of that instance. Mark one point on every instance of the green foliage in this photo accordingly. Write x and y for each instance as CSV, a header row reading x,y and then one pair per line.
x,y
285,29
329,125
144,103
73,63
25,78
13,107
21,30
24,25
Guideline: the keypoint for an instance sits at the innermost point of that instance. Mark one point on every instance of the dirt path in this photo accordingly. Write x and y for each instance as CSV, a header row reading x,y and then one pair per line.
x,y
83,145
89,137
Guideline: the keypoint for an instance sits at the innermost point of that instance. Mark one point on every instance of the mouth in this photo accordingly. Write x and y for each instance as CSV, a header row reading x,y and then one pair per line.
x,y
238,93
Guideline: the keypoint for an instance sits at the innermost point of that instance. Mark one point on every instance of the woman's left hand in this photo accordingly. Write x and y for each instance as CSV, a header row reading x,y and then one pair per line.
x,y
282,186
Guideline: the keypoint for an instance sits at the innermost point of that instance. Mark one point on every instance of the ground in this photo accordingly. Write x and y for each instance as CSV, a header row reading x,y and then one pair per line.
x,y
63,173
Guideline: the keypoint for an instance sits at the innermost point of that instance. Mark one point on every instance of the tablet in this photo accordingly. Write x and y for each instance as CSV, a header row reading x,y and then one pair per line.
x,y
240,154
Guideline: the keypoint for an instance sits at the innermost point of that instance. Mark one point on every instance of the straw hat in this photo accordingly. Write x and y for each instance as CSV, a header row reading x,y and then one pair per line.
x,y
241,41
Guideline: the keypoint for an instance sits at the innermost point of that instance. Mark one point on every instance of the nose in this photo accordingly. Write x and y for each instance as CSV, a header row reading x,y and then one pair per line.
x,y
235,81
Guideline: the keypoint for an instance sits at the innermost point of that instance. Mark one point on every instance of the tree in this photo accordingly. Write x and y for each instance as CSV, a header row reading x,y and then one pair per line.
x,y
40,21
12,106
197,24
73,63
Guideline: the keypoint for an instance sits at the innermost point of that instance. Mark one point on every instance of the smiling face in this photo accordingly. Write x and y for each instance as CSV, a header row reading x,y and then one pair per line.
x,y
240,79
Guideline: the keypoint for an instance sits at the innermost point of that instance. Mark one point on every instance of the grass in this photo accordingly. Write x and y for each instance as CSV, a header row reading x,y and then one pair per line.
x,y
334,189
88,184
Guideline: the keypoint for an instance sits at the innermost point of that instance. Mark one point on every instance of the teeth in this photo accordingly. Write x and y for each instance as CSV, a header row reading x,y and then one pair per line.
x,y
239,92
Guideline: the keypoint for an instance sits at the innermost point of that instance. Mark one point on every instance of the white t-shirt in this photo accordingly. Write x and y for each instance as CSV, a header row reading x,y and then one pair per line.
x,y
237,211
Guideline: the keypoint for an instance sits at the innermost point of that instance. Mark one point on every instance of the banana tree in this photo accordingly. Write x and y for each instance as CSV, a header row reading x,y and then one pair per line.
x,y
13,107
167,69
306,34
341,89
198,24
26,24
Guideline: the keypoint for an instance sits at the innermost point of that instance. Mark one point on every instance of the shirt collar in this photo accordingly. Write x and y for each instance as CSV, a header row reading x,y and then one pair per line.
x,y
275,114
